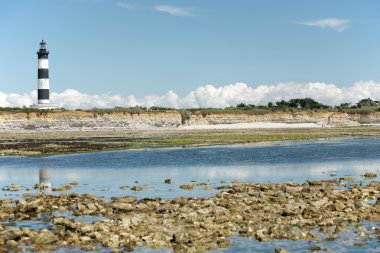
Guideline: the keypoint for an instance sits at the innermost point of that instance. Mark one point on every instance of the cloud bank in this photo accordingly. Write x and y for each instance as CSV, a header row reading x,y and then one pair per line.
x,y
207,96
173,10
333,23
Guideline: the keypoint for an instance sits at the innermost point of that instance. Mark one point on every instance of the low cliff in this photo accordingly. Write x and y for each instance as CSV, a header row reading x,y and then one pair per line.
x,y
318,118
80,120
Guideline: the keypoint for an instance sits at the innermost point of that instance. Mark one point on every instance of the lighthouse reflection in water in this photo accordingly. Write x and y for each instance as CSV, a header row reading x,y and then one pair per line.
x,y
45,181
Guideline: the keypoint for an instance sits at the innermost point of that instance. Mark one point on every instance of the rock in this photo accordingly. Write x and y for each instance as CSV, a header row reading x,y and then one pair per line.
x,y
23,206
112,241
186,186
122,206
339,206
127,199
11,243
320,203
39,186
136,188
74,183
347,179
15,186
293,189
369,175
280,250
168,181
45,237
318,248
124,187
89,248
62,188
235,182
261,235
6,188
316,182
85,239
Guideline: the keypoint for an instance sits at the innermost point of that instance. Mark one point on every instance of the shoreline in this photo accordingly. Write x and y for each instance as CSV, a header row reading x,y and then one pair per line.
x,y
36,143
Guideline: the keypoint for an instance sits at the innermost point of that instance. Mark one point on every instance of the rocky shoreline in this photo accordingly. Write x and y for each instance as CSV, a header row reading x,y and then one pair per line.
x,y
316,210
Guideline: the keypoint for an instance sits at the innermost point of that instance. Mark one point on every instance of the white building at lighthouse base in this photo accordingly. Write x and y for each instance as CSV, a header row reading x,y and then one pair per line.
x,y
44,106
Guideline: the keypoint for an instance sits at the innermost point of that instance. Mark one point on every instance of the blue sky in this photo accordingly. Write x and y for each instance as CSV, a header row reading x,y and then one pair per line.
x,y
151,47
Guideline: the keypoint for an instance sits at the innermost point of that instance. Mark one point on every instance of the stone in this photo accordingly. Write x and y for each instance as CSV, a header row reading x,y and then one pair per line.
x,y
293,189
347,179
369,175
339,206
45,237
32,206
168,181
261,235
316,182
280,250
319,203
186,186
136,188
62,188
126,199
318,248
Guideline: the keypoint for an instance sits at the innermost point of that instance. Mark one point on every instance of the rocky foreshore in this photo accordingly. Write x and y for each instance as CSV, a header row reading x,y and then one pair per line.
x,y
315,211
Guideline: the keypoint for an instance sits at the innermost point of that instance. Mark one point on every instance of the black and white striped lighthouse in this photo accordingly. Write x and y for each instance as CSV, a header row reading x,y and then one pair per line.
x,y
43,74
43,79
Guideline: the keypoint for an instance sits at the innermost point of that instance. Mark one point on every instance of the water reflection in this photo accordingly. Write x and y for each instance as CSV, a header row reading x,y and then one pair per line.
x,y
45,181
103,173
107,181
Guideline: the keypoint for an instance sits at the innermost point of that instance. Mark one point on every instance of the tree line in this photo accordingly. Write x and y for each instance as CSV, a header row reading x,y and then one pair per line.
x,y
301,104
307,104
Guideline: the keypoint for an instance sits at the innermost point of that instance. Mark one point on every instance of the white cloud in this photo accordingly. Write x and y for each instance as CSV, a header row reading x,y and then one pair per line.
x,y
124,5
333,23
207,96
173,10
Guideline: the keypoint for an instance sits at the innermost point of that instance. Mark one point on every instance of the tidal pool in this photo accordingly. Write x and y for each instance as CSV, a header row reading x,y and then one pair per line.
x,y
103,174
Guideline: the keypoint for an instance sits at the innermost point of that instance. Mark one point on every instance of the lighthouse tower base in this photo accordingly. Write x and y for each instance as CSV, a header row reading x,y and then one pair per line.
x,y
44,106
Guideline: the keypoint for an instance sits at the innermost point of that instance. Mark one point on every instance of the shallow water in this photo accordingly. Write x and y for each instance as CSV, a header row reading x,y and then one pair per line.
x,y
103,173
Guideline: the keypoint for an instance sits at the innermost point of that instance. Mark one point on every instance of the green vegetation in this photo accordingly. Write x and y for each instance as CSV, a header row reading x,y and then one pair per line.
x,y
293,105
364,106
28,110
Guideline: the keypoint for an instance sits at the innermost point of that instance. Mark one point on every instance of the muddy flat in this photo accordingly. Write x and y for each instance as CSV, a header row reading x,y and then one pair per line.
x,y
62,142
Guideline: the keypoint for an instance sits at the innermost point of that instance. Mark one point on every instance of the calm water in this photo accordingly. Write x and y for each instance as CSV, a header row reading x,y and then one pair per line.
x,y
102,174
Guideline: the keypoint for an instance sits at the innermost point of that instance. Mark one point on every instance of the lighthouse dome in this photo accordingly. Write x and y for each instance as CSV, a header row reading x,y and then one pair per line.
x,y
43,45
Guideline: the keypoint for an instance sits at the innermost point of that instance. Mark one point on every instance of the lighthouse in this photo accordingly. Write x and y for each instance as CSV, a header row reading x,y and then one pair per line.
x,y
43,79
